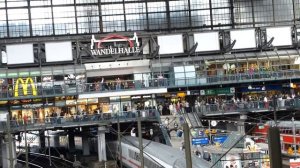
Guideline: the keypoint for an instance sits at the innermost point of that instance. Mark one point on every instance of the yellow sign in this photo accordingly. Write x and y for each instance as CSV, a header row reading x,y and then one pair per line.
x,y
24,86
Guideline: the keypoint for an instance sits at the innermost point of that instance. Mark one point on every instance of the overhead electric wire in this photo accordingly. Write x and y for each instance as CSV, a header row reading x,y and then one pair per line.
x,y
111,153
233,146
250,130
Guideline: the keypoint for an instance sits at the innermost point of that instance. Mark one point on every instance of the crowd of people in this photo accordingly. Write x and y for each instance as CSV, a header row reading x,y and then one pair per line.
x,y
60,117
218,103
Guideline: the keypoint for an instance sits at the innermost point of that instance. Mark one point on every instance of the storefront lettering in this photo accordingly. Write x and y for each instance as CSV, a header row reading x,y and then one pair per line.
x,y
24,86
100,50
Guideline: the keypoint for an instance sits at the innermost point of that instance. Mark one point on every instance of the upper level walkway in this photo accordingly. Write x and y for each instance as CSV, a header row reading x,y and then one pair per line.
x,y
29,89
247,107
65,122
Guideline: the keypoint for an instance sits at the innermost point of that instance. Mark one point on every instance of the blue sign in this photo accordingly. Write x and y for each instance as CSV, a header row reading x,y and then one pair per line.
x,y
219,139
200,141
201,133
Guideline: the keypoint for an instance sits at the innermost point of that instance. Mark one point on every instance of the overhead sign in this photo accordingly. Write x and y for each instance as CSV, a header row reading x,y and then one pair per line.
x,y
101,49
219,139
24,87
200,141
219,91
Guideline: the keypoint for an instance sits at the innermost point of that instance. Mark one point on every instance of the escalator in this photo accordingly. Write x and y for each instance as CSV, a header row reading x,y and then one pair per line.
x,y
192,120
163,128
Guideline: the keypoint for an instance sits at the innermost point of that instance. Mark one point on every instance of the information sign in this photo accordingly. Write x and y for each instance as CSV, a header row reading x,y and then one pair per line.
x,y
219,139
200,141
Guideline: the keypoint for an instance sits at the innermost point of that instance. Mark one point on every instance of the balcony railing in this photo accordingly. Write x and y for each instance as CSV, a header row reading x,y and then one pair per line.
x,y
49,89
250,106
78,120
152,114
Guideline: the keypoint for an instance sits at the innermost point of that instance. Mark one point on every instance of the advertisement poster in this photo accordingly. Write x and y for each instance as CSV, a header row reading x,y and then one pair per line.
x,y
294,163
265,162
232,161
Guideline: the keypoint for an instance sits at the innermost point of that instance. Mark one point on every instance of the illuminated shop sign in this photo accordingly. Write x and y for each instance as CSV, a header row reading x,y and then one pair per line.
x,y
24,87
99,49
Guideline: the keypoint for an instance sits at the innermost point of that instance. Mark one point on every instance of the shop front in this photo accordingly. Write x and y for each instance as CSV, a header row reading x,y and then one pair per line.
x,y
92,105
27,111
257,92
143,102
104,105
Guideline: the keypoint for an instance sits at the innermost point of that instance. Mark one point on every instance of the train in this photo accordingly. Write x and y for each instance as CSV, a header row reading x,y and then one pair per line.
x,y
156,155
286,133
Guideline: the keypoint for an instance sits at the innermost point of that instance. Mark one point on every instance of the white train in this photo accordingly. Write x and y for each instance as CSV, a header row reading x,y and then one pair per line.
x,y
156,155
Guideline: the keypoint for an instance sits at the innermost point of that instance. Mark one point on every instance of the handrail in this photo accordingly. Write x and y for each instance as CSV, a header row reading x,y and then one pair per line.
x,y
247,106
78,119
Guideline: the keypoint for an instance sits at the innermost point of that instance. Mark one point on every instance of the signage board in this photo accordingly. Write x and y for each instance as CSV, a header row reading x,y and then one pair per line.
x,y
71,102
260,88
92,101
200,133
24,87
60,103
200,141
218,91
100,49
219,139
32,106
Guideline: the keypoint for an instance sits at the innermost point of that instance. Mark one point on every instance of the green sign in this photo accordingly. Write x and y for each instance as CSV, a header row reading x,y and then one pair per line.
x,y
218,91
13,74
3,75
35,73
25,74
210,92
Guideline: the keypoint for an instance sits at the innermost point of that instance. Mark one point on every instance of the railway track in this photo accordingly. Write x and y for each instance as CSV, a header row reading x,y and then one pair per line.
x,y
37,160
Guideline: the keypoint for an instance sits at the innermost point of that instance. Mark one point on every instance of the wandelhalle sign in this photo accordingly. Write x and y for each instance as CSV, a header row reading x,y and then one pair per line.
x,y
97,47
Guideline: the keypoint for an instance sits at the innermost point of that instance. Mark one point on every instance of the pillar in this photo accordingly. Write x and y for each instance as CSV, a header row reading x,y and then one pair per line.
x,y
101,144
5,153
241,123
56,141
85,145
71,140
42,139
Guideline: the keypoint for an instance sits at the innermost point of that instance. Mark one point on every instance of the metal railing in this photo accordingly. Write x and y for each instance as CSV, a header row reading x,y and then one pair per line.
x,y
248,106
55,88
78,120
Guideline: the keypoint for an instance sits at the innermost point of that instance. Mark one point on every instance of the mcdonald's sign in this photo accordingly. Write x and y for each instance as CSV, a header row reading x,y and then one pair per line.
x,y
24,86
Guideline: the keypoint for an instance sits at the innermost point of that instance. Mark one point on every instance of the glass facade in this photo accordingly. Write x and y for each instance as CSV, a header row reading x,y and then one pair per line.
x,y
22,18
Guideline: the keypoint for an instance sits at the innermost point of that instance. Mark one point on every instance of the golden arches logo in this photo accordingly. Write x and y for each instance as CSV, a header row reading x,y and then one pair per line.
x,y
25,86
